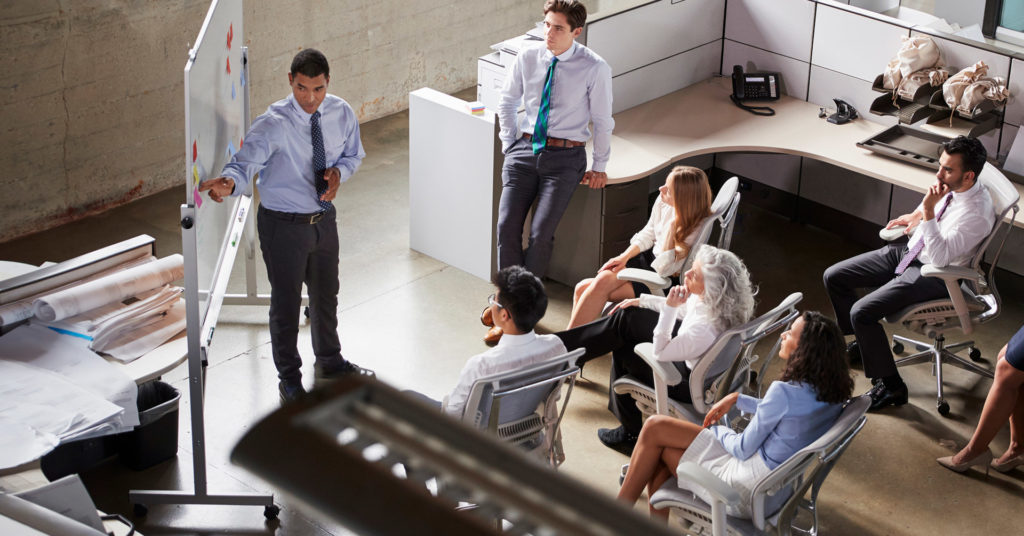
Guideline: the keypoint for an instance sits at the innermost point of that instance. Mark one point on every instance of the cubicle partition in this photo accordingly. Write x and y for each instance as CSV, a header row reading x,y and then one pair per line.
x,y
824,49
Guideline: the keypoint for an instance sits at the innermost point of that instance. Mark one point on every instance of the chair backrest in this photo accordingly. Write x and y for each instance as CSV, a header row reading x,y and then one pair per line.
x,y
723,210
515,394
807,467
1004,201
730,347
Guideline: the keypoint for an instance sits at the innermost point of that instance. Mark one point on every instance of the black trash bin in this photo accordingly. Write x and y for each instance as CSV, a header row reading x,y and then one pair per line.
x,y
156,438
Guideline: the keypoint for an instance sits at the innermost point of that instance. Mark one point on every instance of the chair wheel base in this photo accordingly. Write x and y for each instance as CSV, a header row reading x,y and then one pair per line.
x,y
943,407
975,355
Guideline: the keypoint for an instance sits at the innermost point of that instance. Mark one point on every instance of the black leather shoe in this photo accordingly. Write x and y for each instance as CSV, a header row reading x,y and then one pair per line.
x,y
617,439
853,350
883,397
290,390
322,374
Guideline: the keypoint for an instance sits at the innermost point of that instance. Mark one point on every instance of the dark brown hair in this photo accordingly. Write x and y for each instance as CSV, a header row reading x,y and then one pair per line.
x,y
574,11
820,359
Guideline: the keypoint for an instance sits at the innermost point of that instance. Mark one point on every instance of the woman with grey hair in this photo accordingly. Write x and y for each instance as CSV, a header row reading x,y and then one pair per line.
x,y
716,295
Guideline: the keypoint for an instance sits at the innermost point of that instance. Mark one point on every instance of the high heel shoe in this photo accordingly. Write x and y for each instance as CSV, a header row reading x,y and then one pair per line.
x,y
980,460
1008,465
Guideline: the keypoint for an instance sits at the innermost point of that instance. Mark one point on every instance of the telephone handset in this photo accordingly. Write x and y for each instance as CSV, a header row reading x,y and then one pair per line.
x,y
754,87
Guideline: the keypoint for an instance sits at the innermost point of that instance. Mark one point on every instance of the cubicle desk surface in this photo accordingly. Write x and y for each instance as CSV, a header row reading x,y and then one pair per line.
x,y
700,119
158,362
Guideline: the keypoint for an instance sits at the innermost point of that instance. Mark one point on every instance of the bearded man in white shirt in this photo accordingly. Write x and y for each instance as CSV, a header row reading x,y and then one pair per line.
x,y
946,229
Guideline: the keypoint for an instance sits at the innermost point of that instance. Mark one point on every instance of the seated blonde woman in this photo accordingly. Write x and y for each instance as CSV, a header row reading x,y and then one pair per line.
x,y
716,295
661,246
795,411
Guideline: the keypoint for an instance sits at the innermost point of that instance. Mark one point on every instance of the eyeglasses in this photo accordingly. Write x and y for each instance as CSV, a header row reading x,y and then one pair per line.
x,y
491,300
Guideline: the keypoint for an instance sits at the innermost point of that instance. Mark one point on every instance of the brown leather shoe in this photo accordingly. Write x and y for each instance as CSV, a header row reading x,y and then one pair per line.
x,y
493,335
486,318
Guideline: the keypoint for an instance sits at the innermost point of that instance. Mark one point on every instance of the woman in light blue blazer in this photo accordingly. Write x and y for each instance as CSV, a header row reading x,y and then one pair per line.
x,y
795,411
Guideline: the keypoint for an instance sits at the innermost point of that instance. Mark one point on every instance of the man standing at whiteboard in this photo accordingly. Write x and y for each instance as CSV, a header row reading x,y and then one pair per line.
x,y
563,86
303,148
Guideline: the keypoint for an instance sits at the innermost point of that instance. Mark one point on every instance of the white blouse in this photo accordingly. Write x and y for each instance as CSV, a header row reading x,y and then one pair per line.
x,y
652,237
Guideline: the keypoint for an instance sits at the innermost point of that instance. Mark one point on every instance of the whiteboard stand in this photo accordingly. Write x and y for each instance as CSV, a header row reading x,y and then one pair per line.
x,y
217,122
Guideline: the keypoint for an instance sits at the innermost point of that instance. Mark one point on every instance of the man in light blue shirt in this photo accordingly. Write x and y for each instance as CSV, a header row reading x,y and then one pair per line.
x,y
303,148
563,86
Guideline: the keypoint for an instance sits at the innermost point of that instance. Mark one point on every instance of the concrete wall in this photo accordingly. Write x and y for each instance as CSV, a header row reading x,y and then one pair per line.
x,y
91,97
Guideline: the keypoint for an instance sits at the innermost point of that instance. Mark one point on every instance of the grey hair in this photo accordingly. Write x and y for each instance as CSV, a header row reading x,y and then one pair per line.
x,y
728,292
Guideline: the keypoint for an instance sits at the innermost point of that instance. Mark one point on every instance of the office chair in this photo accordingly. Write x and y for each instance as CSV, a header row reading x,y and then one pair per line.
x,y
777,497
724,368
723,211
972,296
365,427
506,405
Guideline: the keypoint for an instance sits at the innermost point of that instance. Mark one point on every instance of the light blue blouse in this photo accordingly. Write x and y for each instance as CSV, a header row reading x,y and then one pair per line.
x,y
787,419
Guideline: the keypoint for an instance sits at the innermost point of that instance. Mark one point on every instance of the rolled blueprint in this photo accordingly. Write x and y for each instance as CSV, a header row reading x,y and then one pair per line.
x,y
115,287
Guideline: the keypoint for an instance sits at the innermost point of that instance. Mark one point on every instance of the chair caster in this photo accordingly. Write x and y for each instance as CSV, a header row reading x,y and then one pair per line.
x,y
897,348
305,311
271,511
943,407
139,510
975,355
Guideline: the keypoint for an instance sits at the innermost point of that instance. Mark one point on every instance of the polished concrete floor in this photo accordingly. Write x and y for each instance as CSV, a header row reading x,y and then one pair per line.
x,y
414,320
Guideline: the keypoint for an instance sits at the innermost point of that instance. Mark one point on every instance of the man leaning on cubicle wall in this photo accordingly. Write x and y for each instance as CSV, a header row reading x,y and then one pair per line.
x,y
563,87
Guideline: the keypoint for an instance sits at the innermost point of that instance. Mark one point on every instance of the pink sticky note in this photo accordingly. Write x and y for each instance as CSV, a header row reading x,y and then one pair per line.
x,y
197,197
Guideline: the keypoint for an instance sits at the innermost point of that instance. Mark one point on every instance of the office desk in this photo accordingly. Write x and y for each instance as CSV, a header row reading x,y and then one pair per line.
x,y
700,119
451,150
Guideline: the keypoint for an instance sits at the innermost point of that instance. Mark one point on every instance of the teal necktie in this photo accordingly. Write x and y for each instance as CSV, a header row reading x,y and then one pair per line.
x,y
540,130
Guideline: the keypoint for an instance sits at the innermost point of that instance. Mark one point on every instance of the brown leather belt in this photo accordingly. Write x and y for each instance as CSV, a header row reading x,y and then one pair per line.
x,y
557,142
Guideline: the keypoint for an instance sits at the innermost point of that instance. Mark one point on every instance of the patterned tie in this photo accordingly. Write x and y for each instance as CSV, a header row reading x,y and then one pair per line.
x,y
319,160
540,130
919,246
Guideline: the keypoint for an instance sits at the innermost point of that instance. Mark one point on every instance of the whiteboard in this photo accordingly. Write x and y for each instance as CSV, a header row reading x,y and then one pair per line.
x,y
216,119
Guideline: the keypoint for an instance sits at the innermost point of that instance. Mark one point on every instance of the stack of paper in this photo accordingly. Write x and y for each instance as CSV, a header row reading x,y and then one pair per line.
x,y
123,314
52,388
475,107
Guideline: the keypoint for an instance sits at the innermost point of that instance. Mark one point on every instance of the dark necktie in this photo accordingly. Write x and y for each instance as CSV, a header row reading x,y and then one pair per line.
x,y
540,129
919,246
319,160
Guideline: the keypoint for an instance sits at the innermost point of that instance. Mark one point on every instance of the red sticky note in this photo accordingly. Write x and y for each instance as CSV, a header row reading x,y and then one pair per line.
x,y
195,153
229,65
231,33
240,141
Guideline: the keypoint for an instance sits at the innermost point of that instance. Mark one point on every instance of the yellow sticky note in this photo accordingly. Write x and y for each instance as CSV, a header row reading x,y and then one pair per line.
x,y
195,173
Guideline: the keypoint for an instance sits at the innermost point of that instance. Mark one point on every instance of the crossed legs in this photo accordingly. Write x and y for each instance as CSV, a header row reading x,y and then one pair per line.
x,y
661,444
1005,400
591,295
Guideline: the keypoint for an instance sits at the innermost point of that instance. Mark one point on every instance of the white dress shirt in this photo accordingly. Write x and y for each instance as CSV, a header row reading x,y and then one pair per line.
x,y
581,92
654,237
696,334
966,222
512,352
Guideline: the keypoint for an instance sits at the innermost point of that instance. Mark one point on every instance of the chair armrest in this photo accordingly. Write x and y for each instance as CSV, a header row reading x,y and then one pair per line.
x,y
646,277
948,273
666,370
952,275
716,487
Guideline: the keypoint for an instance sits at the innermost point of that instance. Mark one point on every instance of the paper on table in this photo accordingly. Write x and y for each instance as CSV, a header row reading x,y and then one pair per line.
x,y
48,404
93,323
69,498
115,287
20,310
20,443
71,358
131,346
